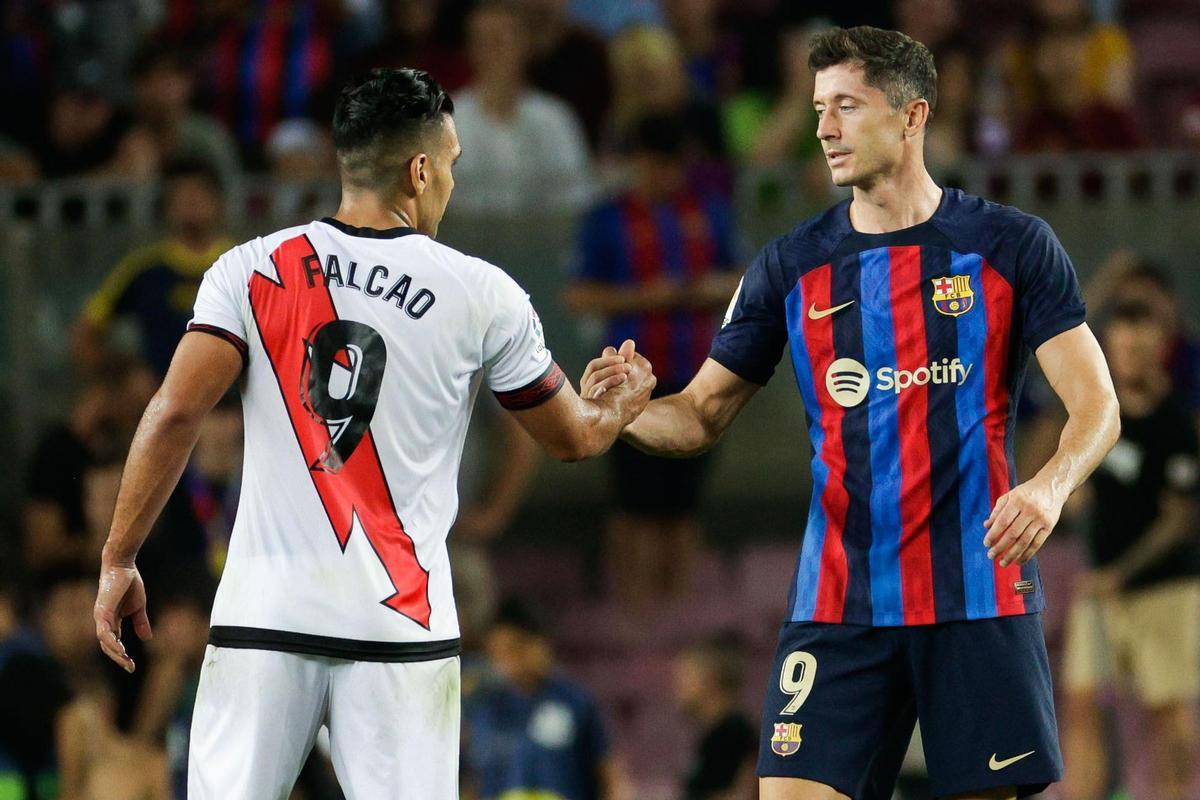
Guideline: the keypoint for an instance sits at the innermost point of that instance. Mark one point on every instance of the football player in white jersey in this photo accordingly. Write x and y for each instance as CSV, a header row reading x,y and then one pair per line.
x,y
361,343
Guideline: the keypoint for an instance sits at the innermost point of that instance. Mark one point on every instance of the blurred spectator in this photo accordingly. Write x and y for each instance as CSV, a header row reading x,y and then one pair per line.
x,y
657,263
937,24
712,53
213,479
37,669
102,421
610,17
650,77
269,61
99,762
300,155
87,133
708,684
1135,618
769,130
534,732
521,148
25,66
155,287
1075,78
164,87
498,463
412,39
1126,278
569,62
164,711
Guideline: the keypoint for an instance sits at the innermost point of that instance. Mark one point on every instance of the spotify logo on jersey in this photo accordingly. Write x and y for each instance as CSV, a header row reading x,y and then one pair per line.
x,y
847,382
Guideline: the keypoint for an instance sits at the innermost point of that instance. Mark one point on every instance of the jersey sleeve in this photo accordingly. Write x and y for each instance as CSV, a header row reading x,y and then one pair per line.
x,y
219,305
754,332
1048,297
517,365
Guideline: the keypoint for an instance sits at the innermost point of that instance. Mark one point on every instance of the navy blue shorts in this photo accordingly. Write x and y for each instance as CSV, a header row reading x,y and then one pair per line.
x,y
843,700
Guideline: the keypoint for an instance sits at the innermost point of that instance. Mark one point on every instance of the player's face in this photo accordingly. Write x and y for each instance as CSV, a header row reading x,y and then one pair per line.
x,y
862,135
440,177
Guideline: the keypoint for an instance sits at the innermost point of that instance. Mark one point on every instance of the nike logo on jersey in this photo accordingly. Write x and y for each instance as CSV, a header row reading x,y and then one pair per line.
x,y
814,314
995,765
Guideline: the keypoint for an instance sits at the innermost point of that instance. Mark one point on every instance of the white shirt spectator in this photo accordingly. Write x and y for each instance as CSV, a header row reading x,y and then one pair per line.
x,y
536,160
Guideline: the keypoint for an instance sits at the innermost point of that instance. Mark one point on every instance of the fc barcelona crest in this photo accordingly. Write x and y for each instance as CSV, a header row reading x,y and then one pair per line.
x,y
786,739
952,295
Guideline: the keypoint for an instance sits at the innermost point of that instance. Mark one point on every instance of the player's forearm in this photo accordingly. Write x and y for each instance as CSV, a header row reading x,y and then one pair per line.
x,y
157,457
672,427
1089,434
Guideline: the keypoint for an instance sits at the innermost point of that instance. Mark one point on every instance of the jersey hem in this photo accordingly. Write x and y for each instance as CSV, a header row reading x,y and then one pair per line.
x,y
898,622
244,638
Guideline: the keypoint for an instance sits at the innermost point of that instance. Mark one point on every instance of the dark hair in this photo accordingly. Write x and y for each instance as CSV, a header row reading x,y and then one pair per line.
x,y
517,614
898,65
1151,272
664,134
1134,313
386,111
186,166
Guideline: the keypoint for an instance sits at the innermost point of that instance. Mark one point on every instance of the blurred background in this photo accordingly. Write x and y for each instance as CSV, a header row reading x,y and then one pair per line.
x,y
618,632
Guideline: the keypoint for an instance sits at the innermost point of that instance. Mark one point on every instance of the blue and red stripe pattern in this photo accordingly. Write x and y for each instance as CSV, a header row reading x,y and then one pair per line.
x,y
630,242
908,350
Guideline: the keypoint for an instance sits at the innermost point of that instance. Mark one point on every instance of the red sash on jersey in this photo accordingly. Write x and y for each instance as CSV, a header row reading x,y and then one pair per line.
x,y
287,313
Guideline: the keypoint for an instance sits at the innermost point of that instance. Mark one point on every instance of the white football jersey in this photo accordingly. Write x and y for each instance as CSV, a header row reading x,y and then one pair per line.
x,y
364,351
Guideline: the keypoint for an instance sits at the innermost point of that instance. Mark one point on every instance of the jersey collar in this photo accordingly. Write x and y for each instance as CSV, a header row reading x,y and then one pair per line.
x,y
369,233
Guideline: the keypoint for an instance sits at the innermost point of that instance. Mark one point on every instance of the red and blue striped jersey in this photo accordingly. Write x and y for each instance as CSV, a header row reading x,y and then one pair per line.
x,y
630,242
909,349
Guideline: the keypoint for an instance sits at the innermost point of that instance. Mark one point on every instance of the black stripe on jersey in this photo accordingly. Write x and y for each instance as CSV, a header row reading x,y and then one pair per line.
x,y
534,393
945,522
235,340
848,343
369,233
309,644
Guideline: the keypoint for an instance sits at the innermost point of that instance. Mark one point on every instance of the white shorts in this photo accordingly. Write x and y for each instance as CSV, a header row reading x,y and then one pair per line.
x,y
393,727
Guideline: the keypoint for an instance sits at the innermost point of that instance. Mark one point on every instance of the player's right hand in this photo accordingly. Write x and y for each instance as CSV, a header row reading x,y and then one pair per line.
x,y
121,594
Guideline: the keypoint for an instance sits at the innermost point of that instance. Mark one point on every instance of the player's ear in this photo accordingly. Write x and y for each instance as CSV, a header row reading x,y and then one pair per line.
x,y
916,115
418,172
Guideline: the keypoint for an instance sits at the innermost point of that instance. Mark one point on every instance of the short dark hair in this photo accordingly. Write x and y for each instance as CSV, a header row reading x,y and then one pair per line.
x,y
898,65
386,111
189,166
517,614
155,56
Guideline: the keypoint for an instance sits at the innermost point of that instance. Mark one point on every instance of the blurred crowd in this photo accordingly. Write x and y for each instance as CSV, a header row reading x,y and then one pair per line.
x,y
548,91
634,115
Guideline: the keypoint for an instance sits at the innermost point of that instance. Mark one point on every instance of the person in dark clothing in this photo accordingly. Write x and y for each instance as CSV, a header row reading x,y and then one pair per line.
x,y
533,731
708,681
1135,616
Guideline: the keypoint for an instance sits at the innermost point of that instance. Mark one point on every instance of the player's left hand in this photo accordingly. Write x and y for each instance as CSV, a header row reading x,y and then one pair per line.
x,y
1021,521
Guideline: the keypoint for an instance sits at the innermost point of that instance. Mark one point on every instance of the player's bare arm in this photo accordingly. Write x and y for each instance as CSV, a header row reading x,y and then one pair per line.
x,y
571,428
685,424
202,371
1024,517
